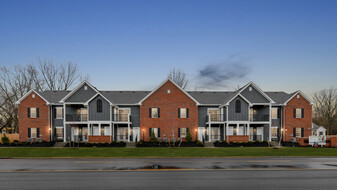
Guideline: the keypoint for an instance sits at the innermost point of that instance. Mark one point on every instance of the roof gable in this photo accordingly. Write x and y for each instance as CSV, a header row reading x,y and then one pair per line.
x,y
30,92
98,94
162,84
254,95
79,94
302,94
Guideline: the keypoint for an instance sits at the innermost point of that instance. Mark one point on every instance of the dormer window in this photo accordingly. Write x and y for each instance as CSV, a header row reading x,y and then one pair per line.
x,y
237,106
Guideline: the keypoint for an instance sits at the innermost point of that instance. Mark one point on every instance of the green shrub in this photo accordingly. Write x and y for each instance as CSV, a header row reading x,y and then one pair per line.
x,y
199,143
217,142
153,137
27,143
188,137
5,139
16,141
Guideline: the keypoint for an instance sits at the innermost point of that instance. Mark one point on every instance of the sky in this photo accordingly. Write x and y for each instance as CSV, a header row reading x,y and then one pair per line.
x,y
132,45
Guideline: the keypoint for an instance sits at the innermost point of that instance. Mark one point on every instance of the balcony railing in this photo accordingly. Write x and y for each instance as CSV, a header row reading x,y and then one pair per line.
x,y
76,117
122,117
255,138
215,117
259,117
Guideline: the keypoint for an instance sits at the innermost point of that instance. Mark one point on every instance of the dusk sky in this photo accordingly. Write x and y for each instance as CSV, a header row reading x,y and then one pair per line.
x,y
122,45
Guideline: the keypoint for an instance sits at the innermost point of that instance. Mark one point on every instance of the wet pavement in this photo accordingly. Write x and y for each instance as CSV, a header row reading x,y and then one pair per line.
x,y
186,173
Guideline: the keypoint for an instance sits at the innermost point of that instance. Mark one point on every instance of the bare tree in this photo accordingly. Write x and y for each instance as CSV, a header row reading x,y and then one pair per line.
x,y
325,110
179,77
42,75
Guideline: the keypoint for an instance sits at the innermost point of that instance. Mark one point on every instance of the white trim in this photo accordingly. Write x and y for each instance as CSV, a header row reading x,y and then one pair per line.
x,y
227,104
92,98
302,94
28,93
168,79
76,89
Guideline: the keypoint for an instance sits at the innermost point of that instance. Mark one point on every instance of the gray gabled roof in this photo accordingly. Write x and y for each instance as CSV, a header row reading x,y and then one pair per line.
x,y
279,97
211,97
53,96
124,97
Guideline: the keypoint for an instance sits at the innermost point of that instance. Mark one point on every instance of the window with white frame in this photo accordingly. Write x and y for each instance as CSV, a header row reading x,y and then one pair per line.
x,y
274,132
230,130
154,113
298,113
33,113
214,114
298,132
59,112
33,132
95,130
183,132
183,113
59,132
107,130
123,114
274,113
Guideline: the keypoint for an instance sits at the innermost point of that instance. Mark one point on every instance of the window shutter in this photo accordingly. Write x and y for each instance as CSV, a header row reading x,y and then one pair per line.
x,y
294,112
150,132
187,114
178,132
29,133
158,112
158,132
302,132
278,113
294,132
187,130
37,113
150,113
28,112
37,132
178,112
54,114
302,112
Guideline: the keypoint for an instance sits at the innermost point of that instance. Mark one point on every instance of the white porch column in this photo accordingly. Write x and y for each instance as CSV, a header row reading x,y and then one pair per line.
x,y
128,131
269,122
110,132
64,133
209,132
248,125
237,128
99,129
113,132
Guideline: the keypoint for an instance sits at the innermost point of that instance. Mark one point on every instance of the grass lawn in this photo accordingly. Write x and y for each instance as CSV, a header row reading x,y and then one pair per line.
x,y
164,152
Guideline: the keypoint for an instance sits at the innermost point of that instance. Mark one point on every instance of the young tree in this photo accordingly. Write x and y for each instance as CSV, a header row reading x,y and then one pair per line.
x,y
179,77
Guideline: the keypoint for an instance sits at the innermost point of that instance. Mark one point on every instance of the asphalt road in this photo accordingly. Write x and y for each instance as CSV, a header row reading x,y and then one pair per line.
x,y
198,173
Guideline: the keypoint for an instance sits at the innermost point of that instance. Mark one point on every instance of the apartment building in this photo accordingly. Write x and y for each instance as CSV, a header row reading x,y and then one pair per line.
x,y
90,115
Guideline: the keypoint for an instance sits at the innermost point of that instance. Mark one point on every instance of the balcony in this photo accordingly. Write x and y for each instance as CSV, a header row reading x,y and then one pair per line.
x,y
215,118
76,117
258,117
122,118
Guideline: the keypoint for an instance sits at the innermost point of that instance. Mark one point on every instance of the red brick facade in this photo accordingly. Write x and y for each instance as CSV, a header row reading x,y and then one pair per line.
x,y
168,104
238,138
105,138
25,122
291,122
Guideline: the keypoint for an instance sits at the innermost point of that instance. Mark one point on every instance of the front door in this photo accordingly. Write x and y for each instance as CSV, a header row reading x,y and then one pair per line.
x,y
215,134
122,134
84,134
74,133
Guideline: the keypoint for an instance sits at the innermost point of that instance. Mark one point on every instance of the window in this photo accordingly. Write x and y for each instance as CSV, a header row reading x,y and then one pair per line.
x,y
33,112
274,113
99,105
182,112
298,132
321,133
58,113
230,131
59,132
95,130
33,132
274,132
107,130
298,113
182,132
84,114
237,106
154,112
214,114
156,132
123,114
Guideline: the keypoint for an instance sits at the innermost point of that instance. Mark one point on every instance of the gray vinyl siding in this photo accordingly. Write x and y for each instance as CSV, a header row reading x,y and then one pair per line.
x,y
243,116
266,129
99,116
277,122
254,96
73,109
81,95
135,115
202,115
56,122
